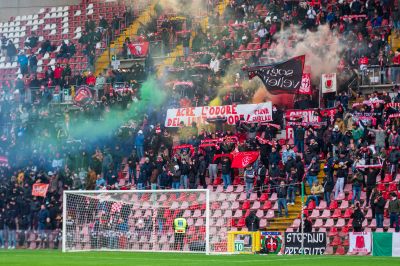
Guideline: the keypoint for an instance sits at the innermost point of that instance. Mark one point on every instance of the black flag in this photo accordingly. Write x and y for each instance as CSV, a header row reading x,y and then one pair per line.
x,y
283,77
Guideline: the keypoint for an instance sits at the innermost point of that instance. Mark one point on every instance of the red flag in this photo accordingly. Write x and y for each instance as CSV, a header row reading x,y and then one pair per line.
x,y
83,96
243,159
305,87
139,49
39,190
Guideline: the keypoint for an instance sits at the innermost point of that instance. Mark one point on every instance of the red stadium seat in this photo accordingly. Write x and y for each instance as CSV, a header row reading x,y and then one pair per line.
x,y
336,241
337,213
267,205
392,187
333,205
344,231
241,223
348,213
381,187
388,178
340,251
264,197
333,232
311,205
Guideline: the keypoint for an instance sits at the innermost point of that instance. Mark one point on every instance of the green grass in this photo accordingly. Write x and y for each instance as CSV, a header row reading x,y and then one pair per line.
x,y
57,258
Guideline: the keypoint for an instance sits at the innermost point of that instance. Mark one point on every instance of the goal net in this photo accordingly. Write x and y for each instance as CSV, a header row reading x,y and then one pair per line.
x,y
136,220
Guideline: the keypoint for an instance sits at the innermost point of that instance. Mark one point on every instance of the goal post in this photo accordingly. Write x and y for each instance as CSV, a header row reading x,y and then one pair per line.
x,y
136,220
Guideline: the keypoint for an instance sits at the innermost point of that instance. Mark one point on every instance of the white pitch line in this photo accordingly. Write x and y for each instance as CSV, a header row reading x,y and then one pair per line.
x,y
204,260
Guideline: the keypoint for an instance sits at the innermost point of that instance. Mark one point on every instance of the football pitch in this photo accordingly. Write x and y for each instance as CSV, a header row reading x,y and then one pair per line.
x,y
57,258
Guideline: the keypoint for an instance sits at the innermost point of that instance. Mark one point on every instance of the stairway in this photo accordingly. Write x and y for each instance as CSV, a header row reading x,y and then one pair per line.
x,y
394,41
178,51
103,61
279,224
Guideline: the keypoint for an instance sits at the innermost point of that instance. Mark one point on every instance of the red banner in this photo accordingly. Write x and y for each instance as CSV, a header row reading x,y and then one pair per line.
x,y
243,159
305,87
40,190
307,117
139,49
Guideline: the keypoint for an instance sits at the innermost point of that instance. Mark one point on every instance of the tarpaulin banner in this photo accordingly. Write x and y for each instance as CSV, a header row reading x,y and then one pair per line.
x,y
328,83
283,77
360,242
393,105
243,159
306,117
313,243
271,242
386,244
252,113
139,49
39,190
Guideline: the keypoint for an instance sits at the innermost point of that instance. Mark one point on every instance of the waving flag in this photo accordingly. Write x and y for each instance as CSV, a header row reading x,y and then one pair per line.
x,y
283,77
39,189
139,49
243,159
83,96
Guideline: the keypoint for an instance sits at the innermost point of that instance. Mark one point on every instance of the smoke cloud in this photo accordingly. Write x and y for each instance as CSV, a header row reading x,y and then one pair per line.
x,y
151,97
191,7
322,49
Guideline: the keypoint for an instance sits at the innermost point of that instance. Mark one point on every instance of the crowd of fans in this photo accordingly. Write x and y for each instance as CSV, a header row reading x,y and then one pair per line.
x,y
41,147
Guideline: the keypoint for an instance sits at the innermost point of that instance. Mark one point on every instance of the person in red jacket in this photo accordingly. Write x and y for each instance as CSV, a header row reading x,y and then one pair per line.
x,y
395,70
90,79
58,74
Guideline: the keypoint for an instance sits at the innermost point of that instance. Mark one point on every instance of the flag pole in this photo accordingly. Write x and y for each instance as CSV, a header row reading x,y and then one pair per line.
x,y
320,93
302,217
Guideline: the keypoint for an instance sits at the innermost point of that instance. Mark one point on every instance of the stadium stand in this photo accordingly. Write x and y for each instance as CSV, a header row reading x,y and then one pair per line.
x,y
49,137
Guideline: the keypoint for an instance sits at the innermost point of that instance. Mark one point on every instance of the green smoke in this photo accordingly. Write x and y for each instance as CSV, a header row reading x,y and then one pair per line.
x,y
150,97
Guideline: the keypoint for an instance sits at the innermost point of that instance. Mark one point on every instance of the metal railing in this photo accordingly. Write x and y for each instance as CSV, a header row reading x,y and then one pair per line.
x,y
374,75
32,239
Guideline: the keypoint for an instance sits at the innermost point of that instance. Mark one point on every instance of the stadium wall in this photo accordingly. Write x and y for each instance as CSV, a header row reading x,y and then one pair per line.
x,y
25,7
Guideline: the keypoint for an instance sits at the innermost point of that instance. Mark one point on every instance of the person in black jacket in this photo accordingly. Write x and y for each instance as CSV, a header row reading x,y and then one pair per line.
x,y
342,171
312,171
226,171
374,194
307,225
371,181
299,133
252,222
184,167
282,193
11,223
290,164
328,185
261,174
201,173
379,210
358,218
164,179
192,174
